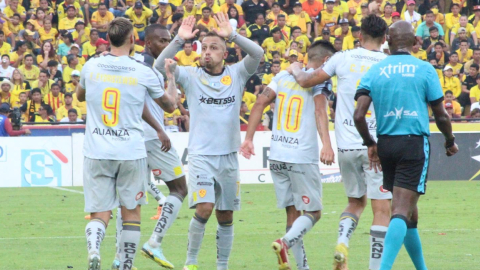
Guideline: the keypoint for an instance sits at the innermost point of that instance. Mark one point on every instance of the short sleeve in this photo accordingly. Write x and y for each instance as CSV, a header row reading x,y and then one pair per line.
x,y
419,32
153,81
331,65
440,29
323,89
434,89
365,86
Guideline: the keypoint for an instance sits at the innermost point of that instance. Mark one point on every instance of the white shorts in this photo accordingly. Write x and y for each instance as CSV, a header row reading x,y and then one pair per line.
x,y
165,166
358,179
102,179
297,184
214,179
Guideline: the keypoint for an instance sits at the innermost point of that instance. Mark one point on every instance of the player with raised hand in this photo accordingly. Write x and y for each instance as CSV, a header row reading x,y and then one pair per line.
x,y
360,182
294,150
115,87
214,96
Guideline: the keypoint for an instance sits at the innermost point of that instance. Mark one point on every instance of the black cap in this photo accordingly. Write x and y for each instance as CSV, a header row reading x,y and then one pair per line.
x,y
138,5
355,28
4,108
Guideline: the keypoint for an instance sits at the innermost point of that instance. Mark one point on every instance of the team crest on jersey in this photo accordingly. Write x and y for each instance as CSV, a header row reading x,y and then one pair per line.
x,y
157,172
305,200
139,196
226,80
202,193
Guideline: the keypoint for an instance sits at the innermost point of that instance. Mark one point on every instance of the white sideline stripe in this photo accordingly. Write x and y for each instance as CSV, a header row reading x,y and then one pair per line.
x,y
185,234
66,189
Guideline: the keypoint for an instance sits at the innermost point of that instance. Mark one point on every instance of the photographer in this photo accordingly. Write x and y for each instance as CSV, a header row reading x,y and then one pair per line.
x,y
6,128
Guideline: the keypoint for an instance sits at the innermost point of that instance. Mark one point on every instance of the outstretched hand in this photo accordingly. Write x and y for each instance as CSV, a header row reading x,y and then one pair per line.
x,y
186,29
224,27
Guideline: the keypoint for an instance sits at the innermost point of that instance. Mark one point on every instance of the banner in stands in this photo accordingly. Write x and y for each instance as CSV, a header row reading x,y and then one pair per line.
x,y
36,161
253,171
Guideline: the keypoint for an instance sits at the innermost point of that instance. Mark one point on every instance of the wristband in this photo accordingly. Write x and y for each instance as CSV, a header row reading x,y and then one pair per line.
x,y
232,36
449,143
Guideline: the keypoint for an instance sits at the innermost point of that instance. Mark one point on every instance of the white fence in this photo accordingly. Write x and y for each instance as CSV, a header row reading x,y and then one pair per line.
x,y
58,161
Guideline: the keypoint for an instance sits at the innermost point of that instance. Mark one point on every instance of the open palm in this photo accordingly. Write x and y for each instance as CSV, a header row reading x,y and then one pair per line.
x,y
186,29
224,27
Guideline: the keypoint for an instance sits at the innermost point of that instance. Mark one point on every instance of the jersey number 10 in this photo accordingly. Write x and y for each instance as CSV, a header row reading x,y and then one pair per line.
x,y
111,104
293,112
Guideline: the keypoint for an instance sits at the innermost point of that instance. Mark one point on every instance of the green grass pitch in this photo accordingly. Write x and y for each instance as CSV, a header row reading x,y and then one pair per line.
x,y
43,228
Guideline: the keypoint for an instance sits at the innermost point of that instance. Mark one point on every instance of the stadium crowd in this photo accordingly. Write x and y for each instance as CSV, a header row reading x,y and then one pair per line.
x,y
45,43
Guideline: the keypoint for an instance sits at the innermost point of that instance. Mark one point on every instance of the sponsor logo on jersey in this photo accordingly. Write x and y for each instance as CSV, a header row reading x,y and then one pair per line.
x,y
115,67
305,200
284,139
42,168
139,196
407,70
383,190
3,153
204,184
202,193
399,113
217,101
120,134
157,172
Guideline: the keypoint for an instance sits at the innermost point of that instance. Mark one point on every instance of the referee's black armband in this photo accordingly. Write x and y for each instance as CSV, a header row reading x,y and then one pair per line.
x,y
436,102
361,92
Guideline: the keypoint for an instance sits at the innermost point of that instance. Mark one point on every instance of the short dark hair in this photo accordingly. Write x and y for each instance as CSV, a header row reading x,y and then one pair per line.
x,y
28,55
119,31
176,17
93,31
428,12
16,15
56,84
102,4
206,8
354,29
275,63
475,66
149,30
6,55
68,94
52,63
258,15
2,33
433,28
448,92
187,42
374,27
47,108
274,30
295,28
274,53
70,58
73,111
280,15
44,71
438,44
320,49
36,90
463,41
453,53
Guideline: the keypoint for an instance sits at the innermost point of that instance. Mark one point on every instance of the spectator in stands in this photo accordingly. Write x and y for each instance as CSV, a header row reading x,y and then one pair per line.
x,y
451,19
207,20
177,20
424,30
456,66
6,128
348,41
464,53
100,20
43,83
254,85
5,47
64,48
6,71
19,84
49,11
450,98
47,53
449,82
268,117
326,35
44,114
71,86
267,78
419,53
187,56
31,41
233,14
63,111
475,114
68,23
117,7
74,50
430,41
411,16
22,98
387,13
81,34
243,113
462,35
475,92
32,106
171,121
258,30
72,64
55,98
463,23
449,109
16,57
252,8
89,48
292,58
29,70
230,5
140,15
72,117
47,33
101,46
301,19
338,44
6,86
274,43
53,72
439,54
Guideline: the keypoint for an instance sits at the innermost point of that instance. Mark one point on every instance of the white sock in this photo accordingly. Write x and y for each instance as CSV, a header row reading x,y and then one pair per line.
x,y
119,228
170,210
300,227
377,238
95,232
128,244
346,227
224,245
300,255
156,193
195,238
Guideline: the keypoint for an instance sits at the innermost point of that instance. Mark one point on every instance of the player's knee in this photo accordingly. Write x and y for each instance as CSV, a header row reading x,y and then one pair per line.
x,y
314,215
178,186
204,210
224,216
357,203
381,208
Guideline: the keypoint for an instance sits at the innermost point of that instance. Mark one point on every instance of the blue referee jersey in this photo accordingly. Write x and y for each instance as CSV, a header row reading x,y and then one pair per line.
x,y
401,86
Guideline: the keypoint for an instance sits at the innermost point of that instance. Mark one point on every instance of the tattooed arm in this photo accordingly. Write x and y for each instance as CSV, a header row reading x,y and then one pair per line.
x,y
263,100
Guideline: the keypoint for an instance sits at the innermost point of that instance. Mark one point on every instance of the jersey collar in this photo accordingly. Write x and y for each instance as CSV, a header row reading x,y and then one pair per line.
x,y
214,74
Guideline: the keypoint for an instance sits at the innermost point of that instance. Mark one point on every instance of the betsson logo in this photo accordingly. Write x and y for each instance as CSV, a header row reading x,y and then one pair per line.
x,y
405,69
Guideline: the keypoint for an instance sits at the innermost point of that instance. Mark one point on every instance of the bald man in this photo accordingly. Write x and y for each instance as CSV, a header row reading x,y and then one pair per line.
x,y
401,89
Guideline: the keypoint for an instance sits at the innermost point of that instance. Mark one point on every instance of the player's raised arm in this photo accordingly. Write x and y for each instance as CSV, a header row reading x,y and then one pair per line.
x,y
254,51
185,32
263,100
307,79
168,102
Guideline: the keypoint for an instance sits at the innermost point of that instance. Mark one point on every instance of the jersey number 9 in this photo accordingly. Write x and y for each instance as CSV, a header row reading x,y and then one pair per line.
x,y
293,112
111,105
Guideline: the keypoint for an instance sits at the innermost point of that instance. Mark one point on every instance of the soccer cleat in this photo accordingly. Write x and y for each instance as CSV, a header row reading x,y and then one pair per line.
x,y
340,257
94,261
159,212
190,267
281,250
156,255
116,265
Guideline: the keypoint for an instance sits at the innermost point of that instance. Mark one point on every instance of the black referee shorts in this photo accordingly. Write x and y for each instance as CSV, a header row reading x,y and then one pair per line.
x,y
404,161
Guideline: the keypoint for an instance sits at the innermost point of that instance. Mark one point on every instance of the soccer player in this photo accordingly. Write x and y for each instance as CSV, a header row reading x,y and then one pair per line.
x,y
214,96
294,150
115,87
402,99
360,182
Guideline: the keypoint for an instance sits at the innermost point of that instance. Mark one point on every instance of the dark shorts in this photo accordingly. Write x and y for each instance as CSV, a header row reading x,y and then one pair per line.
x,y
404,161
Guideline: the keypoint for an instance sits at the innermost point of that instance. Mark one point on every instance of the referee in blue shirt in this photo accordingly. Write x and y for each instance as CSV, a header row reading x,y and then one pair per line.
x,y
401,87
